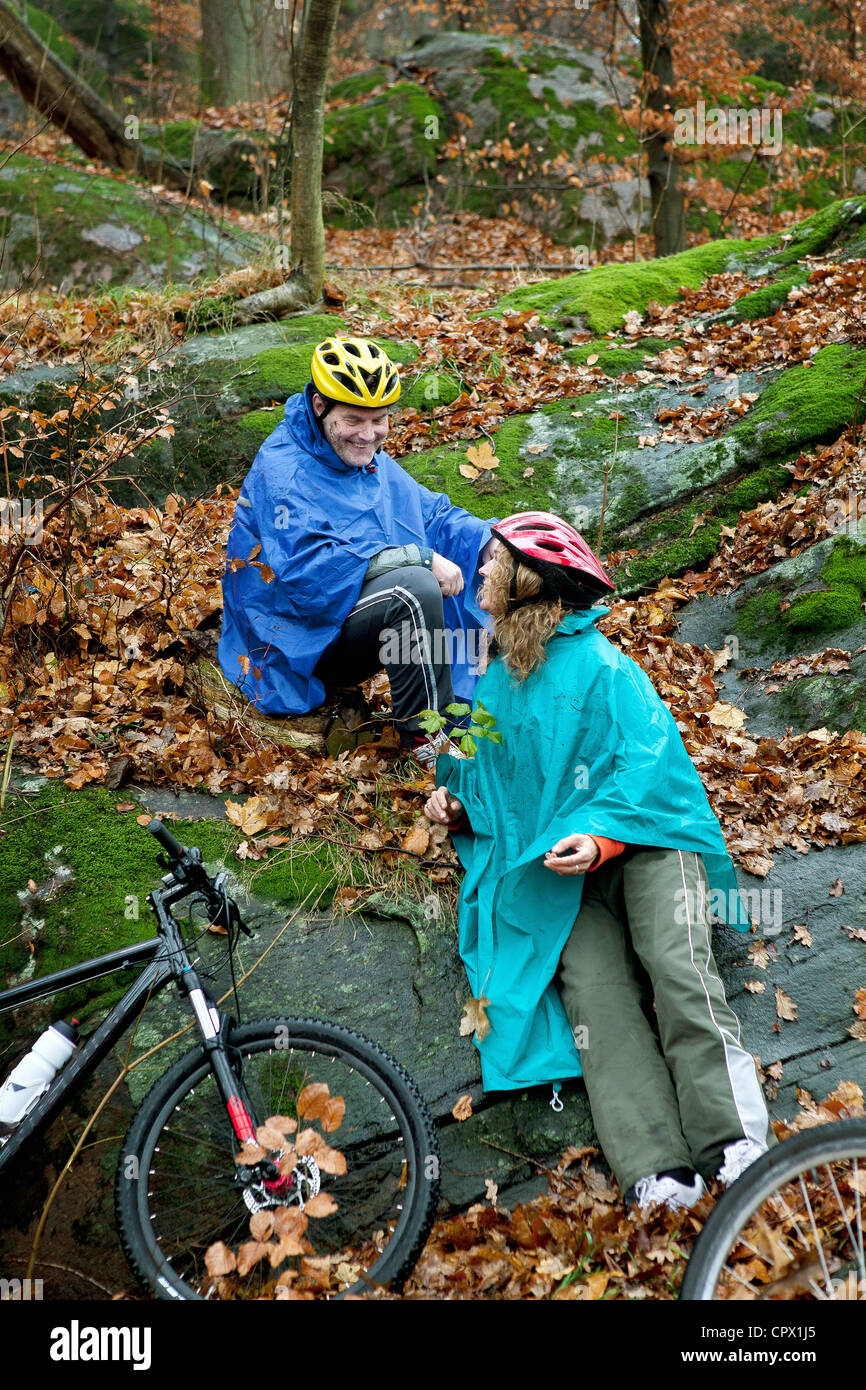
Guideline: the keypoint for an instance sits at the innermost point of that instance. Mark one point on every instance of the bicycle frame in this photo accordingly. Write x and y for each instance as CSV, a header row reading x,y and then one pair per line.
x,y
167,958
90,1054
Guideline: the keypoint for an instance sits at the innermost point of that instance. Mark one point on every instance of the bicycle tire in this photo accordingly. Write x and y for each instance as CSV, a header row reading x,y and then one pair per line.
x,y
177,1193
762,1238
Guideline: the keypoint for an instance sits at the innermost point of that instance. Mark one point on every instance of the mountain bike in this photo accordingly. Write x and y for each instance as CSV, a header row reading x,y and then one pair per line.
x,y
792,1226
337,1194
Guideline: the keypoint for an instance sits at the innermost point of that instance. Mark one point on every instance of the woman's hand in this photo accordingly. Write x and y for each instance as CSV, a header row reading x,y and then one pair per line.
x,y
583,854
441,806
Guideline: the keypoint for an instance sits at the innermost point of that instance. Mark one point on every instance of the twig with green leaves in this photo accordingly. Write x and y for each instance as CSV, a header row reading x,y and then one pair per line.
x,y
481,723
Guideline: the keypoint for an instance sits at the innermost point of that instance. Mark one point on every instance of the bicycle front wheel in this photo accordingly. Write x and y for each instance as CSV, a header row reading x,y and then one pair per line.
x,y
180,1192
792,1227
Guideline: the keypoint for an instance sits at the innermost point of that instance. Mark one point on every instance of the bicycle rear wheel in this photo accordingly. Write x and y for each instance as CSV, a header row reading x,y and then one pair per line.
x,y
180,1192
792,1227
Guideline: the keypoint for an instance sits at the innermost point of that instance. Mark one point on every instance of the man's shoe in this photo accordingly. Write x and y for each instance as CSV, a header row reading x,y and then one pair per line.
x,y
737,1158
666,1191
428,747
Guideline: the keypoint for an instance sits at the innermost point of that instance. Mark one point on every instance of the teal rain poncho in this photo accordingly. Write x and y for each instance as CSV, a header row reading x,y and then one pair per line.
x,y
587,746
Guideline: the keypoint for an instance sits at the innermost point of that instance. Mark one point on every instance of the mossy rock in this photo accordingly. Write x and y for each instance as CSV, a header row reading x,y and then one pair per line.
x,y
761,304
64,227
235,163
548,101
824,701
601,297
686,536
806,404
94,867
381,144
618,358
799,599
46,27
563,460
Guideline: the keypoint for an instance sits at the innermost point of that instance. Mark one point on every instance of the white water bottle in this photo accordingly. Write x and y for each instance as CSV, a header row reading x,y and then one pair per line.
x,y
35,1072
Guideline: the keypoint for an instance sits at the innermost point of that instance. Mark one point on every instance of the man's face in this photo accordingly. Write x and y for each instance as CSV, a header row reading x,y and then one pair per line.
x,y
353,432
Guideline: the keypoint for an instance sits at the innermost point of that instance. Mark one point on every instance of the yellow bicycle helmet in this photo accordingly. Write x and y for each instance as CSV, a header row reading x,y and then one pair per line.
x,y
356,371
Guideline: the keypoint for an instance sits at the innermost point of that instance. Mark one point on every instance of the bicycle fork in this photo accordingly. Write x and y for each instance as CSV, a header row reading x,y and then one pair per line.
x,y
214,1028
261,1180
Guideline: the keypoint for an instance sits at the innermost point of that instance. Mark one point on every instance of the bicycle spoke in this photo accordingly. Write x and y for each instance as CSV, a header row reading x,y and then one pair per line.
x,y
790,1230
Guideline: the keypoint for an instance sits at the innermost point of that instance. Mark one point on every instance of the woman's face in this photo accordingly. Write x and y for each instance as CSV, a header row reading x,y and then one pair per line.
x,y
484,571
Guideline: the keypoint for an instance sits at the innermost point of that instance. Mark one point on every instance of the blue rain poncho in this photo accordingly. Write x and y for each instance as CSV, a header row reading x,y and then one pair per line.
x,y
587,747
318,522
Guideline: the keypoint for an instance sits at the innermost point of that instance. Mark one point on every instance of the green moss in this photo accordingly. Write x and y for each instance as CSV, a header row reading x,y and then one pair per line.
x,y
764,302
668,542
496,492
564,455
258,424
168,236
759,618
834,702
605,293
382,143
616,358
360,84
427,391
840,606
176,138
827,610
846,565
830,225
48,30
806,404
113,861
689,552
760,85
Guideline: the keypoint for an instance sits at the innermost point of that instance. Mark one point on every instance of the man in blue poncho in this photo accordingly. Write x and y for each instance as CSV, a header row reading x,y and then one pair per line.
x,y
339,563
591,778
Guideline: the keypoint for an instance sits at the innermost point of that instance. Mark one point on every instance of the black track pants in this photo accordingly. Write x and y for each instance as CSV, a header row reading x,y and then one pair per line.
x,y
397,624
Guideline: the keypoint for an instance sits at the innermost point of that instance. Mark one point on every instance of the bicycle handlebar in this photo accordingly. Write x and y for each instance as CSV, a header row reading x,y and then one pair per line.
x,y
162,833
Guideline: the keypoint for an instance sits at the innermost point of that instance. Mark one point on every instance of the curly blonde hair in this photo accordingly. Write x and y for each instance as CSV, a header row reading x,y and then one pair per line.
x,y
521,636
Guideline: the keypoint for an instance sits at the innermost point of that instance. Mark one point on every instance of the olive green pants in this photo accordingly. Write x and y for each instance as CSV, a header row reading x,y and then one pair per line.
x,y
676,1100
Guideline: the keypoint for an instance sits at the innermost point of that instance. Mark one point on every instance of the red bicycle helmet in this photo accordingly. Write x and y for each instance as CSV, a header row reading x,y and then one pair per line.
x,y
569,570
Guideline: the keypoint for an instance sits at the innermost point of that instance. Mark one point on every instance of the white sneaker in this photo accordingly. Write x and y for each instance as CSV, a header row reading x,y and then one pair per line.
x,y
427,752
738,1157
668,1192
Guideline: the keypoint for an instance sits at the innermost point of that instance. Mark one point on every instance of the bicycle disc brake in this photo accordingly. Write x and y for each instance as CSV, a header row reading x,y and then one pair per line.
x,y
302,1183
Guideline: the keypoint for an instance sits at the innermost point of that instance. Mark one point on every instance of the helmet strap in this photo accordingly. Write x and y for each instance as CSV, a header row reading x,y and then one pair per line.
x,y
514,601
329,406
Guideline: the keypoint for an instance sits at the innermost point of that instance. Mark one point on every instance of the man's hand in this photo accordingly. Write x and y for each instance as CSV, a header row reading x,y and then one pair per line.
x,y
441,806
584,852
449,575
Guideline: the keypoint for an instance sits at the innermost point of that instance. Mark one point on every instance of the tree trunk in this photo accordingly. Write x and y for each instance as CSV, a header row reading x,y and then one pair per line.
x,y
227,62
308,112
243,55
666,194
54,90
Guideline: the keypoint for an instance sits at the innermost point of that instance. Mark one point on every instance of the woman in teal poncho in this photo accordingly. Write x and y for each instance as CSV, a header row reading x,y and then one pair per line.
x,y
591,778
